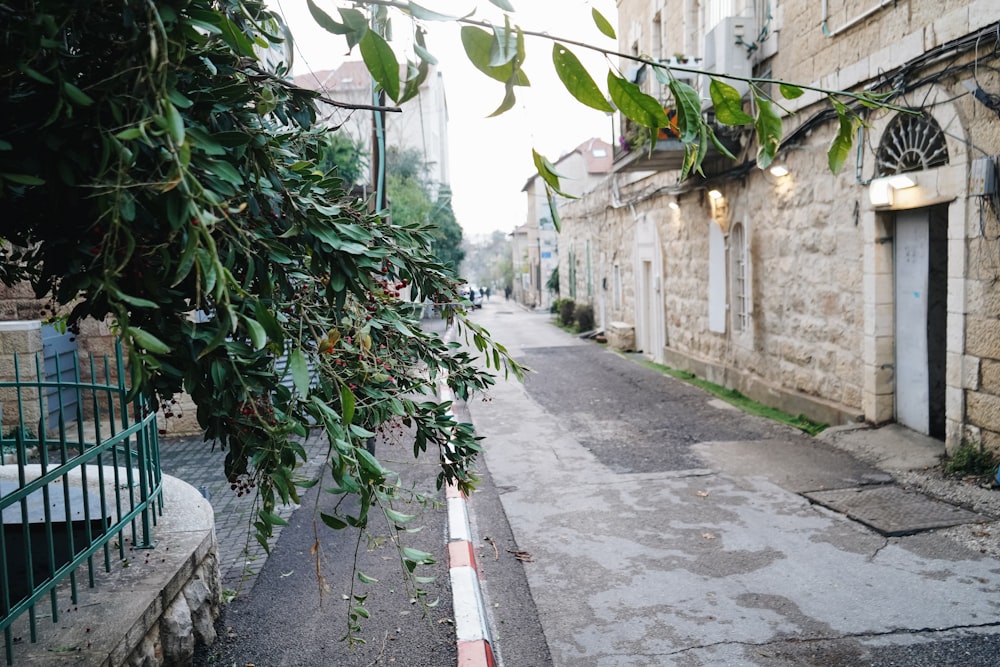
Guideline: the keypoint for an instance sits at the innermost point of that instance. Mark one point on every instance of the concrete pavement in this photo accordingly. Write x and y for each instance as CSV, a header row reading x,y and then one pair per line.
x,y
722,559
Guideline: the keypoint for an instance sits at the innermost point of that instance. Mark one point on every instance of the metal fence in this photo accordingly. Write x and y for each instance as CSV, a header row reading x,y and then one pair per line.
x,y
73,489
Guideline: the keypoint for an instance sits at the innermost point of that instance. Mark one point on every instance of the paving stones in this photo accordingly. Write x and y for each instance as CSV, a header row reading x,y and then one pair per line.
x,y
894,511
200,464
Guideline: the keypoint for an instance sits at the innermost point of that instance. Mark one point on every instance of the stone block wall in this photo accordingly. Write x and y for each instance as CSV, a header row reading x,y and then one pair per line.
x,y
21,339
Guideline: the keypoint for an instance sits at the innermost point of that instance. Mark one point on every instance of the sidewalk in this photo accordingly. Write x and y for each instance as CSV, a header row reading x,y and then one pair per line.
x,y
737,551
200,464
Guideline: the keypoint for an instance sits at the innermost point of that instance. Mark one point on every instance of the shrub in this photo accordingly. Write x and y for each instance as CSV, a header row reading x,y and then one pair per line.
x,y
584,317
971,459
566,308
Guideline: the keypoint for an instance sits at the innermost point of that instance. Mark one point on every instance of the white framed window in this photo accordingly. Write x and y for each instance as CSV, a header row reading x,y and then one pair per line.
x,y
740,272
616,287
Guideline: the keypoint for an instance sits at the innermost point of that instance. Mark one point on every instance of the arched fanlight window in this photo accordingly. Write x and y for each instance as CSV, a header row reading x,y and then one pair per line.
x,y
911,142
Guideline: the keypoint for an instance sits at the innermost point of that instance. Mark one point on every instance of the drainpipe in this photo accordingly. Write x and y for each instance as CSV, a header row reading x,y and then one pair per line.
x,y
853,22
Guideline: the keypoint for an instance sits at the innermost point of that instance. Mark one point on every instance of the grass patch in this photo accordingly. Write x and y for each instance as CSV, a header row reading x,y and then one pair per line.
x,y
971,459
738,400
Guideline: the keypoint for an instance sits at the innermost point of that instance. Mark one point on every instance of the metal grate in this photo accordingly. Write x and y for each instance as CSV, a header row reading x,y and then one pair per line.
x,y
911,142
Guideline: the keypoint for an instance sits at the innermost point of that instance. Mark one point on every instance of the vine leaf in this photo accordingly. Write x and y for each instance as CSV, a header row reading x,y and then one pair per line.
x,y
578,80
635,104
728,104
147,341
381,62
768,126
603,24
689,120
478,45
503,4
789,92
840,147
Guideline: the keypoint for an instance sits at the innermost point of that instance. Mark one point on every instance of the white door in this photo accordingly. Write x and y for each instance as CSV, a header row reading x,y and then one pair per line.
x,y
912,384
921,261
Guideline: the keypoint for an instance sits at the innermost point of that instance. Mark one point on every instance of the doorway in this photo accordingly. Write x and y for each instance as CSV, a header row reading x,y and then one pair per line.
x,y
921,305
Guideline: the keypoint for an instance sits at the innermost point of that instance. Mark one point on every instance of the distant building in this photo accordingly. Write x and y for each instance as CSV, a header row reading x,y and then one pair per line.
x,y
536,246
422,124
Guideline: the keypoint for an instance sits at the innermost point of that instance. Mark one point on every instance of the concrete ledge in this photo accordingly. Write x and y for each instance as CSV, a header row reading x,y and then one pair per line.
x,y
149,609
755,388
621,336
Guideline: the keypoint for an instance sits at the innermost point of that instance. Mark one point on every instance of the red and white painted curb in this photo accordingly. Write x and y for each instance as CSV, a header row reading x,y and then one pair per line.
x,y
471,628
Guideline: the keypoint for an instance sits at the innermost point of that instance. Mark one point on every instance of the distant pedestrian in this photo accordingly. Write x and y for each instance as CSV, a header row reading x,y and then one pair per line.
x,y
506,293
487,293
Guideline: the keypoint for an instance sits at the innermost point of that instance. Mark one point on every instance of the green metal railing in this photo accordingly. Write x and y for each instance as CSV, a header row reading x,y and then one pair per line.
x,y
72,491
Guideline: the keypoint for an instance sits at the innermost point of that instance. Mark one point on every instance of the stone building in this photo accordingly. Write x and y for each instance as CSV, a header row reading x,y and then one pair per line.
x,y
536,242
421,125
871,294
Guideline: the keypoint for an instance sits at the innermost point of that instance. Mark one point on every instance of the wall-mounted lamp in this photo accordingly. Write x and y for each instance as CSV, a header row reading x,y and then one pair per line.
x,y
779,170
715,194
881,191
674,206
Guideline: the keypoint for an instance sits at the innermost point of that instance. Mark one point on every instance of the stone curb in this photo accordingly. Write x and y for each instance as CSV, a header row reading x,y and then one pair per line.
x,y
472,631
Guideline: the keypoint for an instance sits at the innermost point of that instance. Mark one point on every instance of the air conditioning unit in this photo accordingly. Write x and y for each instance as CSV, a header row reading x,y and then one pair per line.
x,y
725,54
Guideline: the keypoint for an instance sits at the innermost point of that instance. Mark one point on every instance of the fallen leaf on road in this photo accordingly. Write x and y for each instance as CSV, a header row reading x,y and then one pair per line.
x,y
522,556
701,494
708,536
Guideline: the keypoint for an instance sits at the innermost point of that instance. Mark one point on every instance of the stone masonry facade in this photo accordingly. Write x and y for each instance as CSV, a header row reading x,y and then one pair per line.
x,y
805,268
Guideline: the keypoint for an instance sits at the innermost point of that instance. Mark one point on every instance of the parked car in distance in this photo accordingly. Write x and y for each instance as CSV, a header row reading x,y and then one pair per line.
x,y
472,294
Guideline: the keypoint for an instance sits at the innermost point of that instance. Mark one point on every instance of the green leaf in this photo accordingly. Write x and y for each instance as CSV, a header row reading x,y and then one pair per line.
x,y
548,173
381,62
300,371
478,45
504,48
257,335
23,179
332,521
237,40
271,518
508,102
424,14
347,403
76,95
268,321
578,80
416,556
175,123
689,121
603,24
789,92
503,4
635,104
554,212
412,88
728,104
147,341
840,147
365,579
326,21
397,518
768,126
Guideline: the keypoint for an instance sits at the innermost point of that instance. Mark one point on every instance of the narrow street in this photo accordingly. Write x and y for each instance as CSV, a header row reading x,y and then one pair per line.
x,y
658,526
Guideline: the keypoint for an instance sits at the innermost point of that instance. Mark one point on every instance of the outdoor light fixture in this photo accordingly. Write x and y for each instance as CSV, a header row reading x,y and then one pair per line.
x,y
779,170
881,191
674,206
901,182
715,194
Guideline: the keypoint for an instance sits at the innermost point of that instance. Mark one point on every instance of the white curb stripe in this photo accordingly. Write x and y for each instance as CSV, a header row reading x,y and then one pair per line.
x,y
458,521
469,611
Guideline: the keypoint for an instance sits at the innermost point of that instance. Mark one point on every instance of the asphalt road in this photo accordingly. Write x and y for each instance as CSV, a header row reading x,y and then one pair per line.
x,y
665,528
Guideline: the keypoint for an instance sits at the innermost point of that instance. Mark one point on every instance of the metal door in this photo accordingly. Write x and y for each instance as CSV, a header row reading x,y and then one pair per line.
x,y
921,315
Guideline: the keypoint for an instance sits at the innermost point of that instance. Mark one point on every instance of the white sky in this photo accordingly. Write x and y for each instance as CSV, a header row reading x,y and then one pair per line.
x,y
490,157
